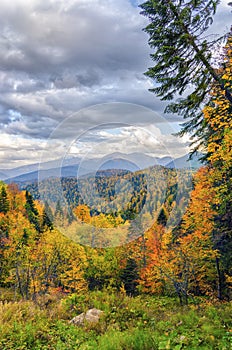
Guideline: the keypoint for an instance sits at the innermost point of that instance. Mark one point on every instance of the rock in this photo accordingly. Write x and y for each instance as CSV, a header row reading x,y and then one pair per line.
x,y
182,338
91,316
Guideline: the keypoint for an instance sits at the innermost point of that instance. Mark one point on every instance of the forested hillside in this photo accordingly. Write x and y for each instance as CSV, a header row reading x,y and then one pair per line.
x,y
150,249
158,269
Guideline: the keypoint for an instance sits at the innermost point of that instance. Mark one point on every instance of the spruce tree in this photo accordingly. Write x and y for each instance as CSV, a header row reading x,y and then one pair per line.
x,y
32,212
129,277
162,218
47,217
4,202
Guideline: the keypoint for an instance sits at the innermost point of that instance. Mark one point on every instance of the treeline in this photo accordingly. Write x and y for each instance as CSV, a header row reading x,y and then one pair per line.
x,y
125,194
186,261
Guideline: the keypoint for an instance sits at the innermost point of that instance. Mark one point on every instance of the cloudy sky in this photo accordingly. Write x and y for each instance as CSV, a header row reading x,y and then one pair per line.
x,y
72,83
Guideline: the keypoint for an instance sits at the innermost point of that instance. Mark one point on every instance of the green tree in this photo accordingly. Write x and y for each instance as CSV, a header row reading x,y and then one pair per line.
x,y
183,56
162,218
47,217
32,212
129,276
4,202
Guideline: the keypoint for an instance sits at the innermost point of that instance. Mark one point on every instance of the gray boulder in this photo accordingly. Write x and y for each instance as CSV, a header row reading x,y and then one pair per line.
x,y
91,316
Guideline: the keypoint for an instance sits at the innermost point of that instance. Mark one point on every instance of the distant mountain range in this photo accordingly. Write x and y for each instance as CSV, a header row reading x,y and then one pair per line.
x,y
76,167
3,176
184,162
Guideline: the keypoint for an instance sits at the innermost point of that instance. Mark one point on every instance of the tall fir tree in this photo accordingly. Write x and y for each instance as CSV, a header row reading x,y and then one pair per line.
x,y
183,57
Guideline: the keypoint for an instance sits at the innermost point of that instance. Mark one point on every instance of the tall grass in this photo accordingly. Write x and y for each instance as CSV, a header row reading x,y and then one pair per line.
x,y
142,322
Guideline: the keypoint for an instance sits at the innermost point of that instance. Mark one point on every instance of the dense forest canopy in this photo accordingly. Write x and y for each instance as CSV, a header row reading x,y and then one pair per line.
x,y
122,197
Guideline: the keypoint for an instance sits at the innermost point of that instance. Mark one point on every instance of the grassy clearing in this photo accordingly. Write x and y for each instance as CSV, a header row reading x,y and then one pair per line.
x,y
143,322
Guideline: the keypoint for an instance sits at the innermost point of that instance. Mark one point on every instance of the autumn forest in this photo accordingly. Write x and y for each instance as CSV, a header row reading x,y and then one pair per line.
x,y
157,263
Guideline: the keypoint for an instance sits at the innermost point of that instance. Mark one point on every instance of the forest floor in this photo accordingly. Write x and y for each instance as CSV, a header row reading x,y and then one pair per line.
x,y
130,323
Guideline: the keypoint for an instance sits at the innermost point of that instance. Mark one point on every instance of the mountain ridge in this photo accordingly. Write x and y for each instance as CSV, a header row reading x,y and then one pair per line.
x,y
76,167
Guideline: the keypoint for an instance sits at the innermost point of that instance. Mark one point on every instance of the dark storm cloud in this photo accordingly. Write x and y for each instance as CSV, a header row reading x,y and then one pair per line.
x,y
38,127
59,57
44,39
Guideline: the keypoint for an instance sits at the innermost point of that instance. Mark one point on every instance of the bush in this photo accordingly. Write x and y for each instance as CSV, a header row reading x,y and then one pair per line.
x,y
142,322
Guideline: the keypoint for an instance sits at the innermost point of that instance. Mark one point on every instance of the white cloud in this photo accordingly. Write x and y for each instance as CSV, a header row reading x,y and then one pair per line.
x,y
129,139
59,56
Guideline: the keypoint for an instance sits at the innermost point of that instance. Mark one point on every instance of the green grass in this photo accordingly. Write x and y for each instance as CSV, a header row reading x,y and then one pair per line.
x,y
143,322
